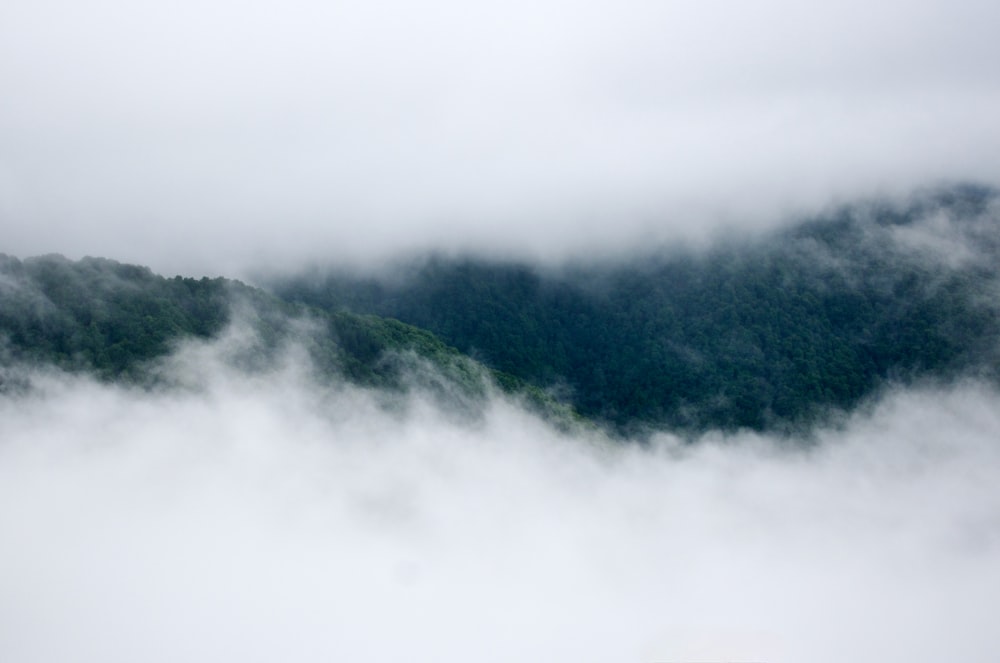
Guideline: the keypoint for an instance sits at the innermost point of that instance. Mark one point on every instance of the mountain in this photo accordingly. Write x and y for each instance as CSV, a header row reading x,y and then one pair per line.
x,y
764,332
118,320
768,332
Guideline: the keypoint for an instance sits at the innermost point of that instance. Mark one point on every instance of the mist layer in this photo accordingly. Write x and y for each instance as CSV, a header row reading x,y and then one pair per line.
x,y
242,517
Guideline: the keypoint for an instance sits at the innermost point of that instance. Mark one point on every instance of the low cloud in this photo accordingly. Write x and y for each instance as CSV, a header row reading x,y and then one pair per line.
x,y
254,517
208,137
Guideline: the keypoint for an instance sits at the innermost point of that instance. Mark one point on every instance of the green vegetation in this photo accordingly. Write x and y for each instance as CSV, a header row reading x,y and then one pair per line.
x,y
100,314
767,333
116,320
113,319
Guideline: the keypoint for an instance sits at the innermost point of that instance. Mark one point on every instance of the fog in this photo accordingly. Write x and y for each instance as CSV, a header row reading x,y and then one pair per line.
x,y
256,517
227,516
210,137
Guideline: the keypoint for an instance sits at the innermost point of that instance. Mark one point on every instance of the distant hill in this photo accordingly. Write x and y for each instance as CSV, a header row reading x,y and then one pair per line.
x,y
765,332
117,320
761,332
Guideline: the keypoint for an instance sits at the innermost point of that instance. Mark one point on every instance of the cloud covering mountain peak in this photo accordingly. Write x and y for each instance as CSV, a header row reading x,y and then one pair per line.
x,y
214,135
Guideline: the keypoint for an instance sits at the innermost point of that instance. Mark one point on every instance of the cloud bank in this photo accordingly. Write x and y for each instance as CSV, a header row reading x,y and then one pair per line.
x,y
251,518
204,136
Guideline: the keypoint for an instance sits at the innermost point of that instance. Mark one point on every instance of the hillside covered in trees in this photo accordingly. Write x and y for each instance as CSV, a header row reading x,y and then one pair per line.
x,y
116,321
764,332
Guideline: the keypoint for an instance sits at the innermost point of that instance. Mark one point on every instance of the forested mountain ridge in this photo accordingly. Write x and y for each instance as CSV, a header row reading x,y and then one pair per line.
x,y
116,320
764,332
100,314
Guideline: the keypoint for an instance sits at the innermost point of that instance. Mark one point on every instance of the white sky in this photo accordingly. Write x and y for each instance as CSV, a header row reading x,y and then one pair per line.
x,y
202,136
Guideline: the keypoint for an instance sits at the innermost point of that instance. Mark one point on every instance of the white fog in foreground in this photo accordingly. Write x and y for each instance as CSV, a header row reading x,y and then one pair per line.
x,y
268,519
208,136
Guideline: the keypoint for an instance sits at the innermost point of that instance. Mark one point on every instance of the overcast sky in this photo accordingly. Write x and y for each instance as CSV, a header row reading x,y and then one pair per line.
x,y
201,136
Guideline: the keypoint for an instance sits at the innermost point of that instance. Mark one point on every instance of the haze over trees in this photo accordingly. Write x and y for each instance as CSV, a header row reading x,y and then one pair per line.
x,y
117,321
747,334
766,333
455,331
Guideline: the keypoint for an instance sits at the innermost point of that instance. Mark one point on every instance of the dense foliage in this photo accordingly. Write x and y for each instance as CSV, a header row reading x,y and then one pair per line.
x,y
100,314
112,318
117,320
763,333
767,332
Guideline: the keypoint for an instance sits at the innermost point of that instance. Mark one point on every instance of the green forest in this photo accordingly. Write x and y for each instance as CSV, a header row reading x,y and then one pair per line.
x,y
117,321
761,332
766,332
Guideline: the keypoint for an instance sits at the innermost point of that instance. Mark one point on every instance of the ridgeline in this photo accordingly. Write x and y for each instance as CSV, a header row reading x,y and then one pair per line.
x,y
773,332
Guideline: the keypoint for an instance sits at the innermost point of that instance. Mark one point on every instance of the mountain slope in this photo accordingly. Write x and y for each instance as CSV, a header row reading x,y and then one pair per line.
x,y
766,332
119,320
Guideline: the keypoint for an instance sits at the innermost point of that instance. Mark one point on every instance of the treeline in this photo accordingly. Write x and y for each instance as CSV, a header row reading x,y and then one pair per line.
x,y
100,314
117,320
113,319
766,333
